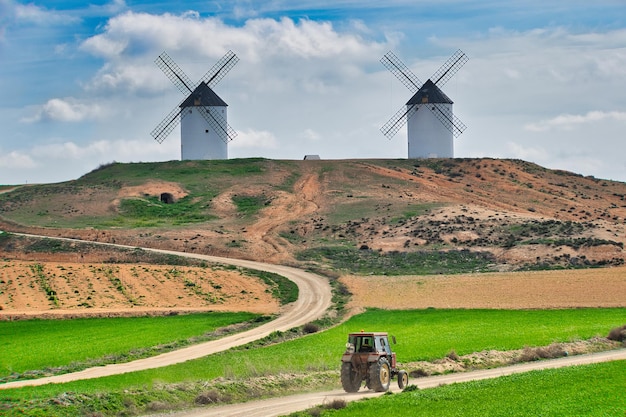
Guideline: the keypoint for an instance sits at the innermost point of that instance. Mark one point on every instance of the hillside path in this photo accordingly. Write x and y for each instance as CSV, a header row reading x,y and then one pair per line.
x,y
313,301
281,406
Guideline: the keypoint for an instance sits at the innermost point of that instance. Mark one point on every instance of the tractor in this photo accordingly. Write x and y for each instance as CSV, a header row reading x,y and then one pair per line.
x,y
368,357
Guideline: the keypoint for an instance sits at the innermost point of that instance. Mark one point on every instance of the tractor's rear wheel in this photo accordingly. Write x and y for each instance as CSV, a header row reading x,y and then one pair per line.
x,y
403,379
380,375
350,378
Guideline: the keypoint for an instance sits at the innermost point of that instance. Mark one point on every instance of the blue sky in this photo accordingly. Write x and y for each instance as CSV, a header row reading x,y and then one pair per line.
x,y
79,87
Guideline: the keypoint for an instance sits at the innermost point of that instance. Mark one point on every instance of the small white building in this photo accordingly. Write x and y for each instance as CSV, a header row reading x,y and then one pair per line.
x,y
200,139
428,137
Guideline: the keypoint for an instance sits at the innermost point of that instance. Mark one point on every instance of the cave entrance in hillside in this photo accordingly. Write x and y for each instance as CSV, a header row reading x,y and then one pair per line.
x,y
167,198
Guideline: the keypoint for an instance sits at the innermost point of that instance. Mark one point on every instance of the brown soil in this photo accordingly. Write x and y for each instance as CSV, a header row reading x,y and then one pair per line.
x,y
510,290
54,289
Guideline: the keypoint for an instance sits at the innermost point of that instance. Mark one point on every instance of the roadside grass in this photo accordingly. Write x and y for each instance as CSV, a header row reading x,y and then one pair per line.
x,y
422,335
42,345
590,390
283,289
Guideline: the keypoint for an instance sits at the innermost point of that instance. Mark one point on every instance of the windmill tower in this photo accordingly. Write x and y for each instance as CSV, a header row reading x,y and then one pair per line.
x,y
204,131
431,124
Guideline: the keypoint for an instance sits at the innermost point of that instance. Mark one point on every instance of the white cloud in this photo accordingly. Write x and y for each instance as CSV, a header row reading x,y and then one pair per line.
x,y
15,159
65,110
63,160
144,35
571,121
127,78
103,150
107,9
311,135
256,139
31,13
527,153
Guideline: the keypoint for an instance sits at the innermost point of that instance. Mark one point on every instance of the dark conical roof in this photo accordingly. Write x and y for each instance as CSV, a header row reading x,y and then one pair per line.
x,y
429,93
203,96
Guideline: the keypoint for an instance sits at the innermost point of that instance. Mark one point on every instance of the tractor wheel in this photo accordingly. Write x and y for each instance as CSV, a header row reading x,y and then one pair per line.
x,y
350,378
380,375
403,379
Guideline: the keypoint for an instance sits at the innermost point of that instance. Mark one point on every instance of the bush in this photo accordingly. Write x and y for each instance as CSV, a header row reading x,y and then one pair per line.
x,y
211,397
618,334
453,355
419,373
337,404
529,354
310,328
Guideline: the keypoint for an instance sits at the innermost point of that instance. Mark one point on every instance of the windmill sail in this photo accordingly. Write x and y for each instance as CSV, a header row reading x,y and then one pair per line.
x,y
398,120
220,69
425,139
176,75
199,95
449,68
401,71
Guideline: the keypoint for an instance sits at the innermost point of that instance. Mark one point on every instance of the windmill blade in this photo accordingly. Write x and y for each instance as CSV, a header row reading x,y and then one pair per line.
x,y
401,71
449,120
163,129
220,69
398,120
218,123
449,68
176,75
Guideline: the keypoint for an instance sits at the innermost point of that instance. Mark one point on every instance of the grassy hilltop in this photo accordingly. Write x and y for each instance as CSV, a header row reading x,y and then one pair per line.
x,y
365,216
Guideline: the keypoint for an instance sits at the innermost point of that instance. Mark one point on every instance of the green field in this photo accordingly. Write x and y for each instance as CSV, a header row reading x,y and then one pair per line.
x,y
421,334
592,390
30,345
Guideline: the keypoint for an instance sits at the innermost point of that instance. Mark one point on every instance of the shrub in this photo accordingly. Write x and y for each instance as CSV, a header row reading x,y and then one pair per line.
x,y
618,334
453,355
157,406
310,328
419,373
211,397
530,354
336,404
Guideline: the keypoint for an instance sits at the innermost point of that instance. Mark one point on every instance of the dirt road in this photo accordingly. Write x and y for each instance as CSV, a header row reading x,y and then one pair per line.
x,y
313,301
286,405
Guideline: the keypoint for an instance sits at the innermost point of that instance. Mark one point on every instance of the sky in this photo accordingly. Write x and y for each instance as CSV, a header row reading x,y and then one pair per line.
x,y
545,81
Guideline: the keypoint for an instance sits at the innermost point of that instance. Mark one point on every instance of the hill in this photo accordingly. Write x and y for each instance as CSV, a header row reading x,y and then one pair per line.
x,y
493,214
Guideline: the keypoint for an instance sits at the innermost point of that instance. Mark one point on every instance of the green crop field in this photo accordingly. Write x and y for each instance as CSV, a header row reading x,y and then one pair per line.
x,y
592,390
31,345
421,334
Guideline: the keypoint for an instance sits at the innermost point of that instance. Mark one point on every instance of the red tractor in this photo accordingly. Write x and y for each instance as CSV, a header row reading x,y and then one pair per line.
x,y
368,357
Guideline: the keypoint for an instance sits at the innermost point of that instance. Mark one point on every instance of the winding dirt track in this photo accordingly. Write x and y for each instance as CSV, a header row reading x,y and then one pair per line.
x,y
275,407
313,301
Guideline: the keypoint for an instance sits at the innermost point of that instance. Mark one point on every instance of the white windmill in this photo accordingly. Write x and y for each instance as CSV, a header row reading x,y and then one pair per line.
x,y
204,131
431,125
